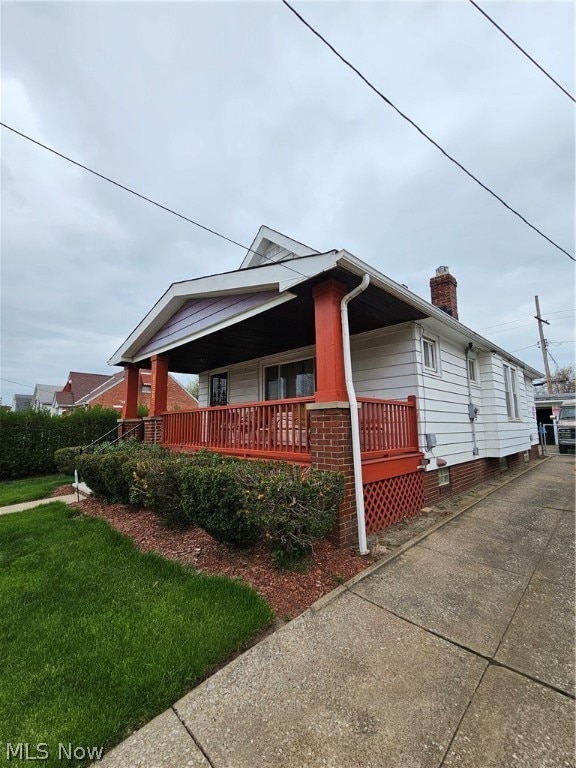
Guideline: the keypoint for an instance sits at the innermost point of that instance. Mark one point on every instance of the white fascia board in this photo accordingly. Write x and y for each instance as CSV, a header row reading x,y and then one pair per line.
x,y
280,299
440,319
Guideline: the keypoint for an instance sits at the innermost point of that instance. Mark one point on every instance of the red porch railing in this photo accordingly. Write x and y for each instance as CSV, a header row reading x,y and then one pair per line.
x,y
281,428
276,428
388,427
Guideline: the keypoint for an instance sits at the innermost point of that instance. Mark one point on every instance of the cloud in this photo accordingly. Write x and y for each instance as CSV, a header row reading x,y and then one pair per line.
x,y
235,115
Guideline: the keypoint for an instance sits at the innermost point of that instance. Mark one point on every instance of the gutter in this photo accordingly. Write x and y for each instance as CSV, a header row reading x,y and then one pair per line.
x,y
472,411
354,419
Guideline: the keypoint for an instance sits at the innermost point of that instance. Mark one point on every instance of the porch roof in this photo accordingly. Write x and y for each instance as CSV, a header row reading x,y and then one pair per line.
x,y
215,321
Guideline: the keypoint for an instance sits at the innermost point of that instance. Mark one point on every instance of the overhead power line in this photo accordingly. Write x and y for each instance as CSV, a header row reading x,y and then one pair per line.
x,y
499,28
520,319
19,383
421,131
147,199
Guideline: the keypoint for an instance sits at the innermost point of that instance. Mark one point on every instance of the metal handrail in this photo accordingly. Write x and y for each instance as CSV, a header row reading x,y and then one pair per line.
x,y
86,448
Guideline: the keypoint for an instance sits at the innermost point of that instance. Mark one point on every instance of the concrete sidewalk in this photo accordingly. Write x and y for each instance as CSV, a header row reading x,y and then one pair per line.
x,y
457,653
69,498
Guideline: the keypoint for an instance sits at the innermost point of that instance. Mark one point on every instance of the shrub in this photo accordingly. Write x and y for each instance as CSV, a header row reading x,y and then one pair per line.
x,y
213,498
295,508
155,484
103,471
89,469
28,439
66,459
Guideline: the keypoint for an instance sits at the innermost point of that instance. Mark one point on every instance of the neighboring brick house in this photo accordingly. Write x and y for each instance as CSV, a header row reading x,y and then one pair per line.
x,y
77,386
87,390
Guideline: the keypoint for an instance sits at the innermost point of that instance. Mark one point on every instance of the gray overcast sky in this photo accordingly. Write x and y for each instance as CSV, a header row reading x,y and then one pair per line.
x,y
235,115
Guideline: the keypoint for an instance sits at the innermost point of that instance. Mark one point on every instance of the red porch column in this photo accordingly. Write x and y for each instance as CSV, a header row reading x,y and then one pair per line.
x,y
330,379
159,395
131,382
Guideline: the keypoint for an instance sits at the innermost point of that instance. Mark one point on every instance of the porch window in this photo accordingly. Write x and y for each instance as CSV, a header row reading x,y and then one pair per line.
x,y
289,380
219,389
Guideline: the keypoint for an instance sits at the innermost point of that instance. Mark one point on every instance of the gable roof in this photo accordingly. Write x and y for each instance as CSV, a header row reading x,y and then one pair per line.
x,y
110,382
43,393
265,287
271,246
80,384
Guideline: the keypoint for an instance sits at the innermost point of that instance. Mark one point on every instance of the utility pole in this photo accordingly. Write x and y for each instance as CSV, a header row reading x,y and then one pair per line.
x,y
543,344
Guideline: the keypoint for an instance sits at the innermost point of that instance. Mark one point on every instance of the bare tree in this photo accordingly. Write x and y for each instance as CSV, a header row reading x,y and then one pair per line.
x,y
563,380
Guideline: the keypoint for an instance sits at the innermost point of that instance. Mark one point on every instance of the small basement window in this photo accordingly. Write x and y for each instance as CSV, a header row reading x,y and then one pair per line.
x,y
444,476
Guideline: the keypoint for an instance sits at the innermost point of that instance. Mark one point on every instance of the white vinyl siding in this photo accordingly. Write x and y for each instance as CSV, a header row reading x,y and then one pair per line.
x,y
383,363
506,434
443,405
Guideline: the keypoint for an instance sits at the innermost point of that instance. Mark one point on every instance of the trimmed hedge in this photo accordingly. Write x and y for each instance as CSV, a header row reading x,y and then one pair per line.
x,y
66,459
295,508
155,484
105,471
213,498
235,501
29,439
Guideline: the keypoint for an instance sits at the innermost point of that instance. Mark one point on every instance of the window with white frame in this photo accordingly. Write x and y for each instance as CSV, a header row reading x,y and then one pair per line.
x,y
286,380
511,392
473,370
430,355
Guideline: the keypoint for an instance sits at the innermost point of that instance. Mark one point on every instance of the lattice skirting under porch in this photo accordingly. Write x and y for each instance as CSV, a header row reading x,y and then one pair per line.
x,y
387,501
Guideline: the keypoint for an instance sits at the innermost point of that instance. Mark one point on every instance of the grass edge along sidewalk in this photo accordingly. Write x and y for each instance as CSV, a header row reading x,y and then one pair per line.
x,y
98,637
30,489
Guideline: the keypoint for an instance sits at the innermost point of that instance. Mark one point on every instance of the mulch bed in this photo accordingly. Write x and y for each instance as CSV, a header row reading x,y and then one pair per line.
x,y
288,593
63,490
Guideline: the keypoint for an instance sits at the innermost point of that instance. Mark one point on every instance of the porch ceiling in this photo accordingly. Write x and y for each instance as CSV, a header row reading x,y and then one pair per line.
x,y
288,326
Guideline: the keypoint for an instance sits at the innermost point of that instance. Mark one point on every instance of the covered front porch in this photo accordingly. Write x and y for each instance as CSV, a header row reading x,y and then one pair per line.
x,y
207,331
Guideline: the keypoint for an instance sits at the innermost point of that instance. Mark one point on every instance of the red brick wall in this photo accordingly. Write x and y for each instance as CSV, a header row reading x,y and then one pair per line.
x,y
178,398
331,448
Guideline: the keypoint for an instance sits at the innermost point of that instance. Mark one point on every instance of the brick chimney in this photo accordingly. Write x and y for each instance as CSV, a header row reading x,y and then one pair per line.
x,y
443,291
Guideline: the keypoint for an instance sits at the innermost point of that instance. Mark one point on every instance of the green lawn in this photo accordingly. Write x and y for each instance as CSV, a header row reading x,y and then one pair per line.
x,y
30,489
96,638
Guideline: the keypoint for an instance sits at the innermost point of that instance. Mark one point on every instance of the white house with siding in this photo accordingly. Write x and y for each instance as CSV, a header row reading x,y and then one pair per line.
x,y
268,344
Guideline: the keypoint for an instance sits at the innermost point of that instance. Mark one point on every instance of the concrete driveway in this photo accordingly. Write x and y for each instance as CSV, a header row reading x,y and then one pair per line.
x,y
458,653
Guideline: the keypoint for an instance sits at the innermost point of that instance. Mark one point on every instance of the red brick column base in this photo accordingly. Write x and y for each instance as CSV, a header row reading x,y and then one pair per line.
x,y
126,425
153,430
331,448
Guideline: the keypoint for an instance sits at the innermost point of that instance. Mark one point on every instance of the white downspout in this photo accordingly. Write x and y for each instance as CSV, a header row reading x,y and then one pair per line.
x,y
357,459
